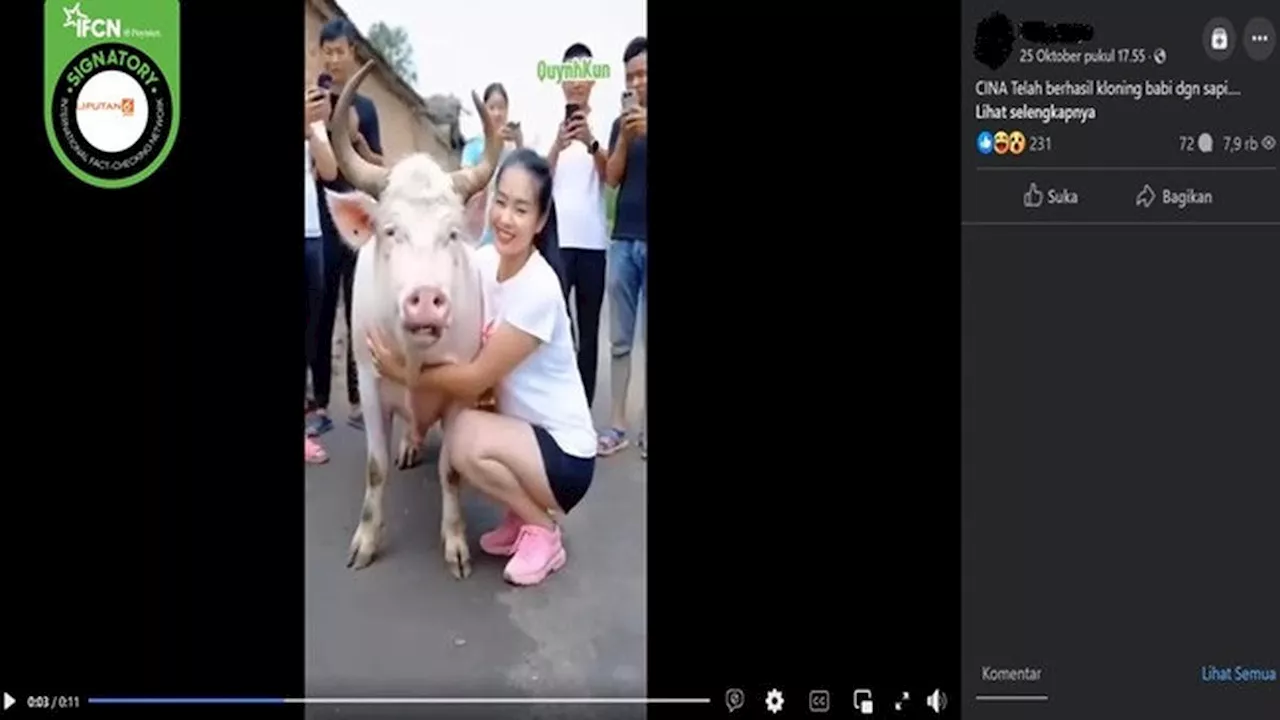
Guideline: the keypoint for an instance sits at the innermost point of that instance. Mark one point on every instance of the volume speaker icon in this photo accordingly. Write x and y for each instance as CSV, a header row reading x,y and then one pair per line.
x,y
937,701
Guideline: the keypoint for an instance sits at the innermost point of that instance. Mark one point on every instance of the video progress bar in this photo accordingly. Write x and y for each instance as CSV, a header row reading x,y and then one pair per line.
x,y
394,701
1120,223
1011,698
1122,168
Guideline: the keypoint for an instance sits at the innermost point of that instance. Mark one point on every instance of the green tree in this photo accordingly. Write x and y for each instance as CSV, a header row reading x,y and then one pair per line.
x,y
393,43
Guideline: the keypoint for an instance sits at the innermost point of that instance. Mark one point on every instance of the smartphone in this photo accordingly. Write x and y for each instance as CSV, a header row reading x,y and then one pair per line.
x,y
629,100
571,109
325,80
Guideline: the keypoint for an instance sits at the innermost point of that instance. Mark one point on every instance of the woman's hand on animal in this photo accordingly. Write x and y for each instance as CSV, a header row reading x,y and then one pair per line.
x,y
635,123
387,362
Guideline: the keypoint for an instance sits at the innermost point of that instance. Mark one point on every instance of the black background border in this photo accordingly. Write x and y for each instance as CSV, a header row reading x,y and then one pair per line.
x,y
805,536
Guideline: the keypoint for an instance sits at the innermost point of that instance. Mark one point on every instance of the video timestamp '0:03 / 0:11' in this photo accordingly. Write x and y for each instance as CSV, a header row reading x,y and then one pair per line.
x,y
53,702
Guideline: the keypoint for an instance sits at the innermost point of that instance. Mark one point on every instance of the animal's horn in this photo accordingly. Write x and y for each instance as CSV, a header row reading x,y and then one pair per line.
x,y
469,181
359,172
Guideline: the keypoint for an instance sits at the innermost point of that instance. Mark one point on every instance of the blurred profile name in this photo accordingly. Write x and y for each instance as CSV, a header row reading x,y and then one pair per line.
x,y
1047,33
996,35
1236,674
583,69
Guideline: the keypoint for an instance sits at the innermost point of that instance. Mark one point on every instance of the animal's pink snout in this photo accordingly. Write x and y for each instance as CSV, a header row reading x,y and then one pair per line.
x,y
426,310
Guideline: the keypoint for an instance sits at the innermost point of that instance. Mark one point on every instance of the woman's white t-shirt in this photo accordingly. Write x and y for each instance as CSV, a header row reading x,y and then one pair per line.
x,y
310,196
545,389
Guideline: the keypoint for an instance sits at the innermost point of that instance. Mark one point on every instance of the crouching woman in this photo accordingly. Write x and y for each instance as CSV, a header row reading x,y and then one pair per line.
x,y
536,455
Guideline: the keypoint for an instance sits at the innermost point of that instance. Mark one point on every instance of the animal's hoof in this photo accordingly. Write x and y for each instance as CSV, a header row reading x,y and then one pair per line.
x,y
363,550
410,454
457,556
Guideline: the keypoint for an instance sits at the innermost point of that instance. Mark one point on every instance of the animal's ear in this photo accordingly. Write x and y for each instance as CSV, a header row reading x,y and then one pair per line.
x,y
353,214
473,215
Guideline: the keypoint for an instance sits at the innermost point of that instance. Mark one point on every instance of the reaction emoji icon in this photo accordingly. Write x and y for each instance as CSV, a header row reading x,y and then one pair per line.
x,y
985,142
1001,142
1017,142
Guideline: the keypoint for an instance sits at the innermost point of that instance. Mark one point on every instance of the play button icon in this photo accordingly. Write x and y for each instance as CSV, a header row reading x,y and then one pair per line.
x,y
8,701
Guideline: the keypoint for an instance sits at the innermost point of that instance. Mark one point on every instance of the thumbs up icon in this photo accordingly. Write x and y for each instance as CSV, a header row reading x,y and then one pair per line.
x,y
1032,198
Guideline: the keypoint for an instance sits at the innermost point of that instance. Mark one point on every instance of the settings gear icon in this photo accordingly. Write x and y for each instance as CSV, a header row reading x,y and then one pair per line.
x,y
773,701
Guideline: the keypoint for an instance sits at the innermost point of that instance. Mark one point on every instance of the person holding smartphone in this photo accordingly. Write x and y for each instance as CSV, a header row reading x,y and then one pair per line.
x,y
627,170
578,160
498,105
340,63
319,164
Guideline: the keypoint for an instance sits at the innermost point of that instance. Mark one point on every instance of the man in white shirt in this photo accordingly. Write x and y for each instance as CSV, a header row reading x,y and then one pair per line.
x,y
578,162
317,162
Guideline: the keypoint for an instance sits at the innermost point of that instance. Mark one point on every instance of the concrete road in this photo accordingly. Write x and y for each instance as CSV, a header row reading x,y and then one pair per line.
x,y
404,627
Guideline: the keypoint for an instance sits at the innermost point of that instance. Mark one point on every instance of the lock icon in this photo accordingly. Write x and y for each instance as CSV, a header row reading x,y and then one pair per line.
x,y
1218,39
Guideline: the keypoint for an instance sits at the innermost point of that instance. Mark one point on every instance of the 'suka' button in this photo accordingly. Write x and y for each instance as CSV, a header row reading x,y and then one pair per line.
x,y
1036,197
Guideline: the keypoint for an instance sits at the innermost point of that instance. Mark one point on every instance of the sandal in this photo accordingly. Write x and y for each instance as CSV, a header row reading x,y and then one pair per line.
x,y
611,441
314,454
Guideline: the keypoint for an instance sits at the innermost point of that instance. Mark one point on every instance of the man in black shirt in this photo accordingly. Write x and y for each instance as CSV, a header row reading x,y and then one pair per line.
x,y
627,170
340,260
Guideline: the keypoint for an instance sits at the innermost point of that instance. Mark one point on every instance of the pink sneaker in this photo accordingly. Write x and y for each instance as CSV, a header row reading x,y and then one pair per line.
x,y
539,552
502,539
314,453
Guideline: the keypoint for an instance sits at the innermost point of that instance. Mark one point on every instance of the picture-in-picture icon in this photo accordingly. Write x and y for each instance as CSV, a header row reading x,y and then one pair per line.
x,y
862,701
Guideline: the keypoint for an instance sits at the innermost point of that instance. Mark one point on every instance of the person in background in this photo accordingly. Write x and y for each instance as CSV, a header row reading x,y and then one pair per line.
x,y
320,164
336,46
478,207
536,455
578,163
627,170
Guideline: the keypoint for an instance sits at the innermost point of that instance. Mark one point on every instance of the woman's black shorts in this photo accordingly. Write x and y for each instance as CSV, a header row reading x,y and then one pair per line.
x,y
569,476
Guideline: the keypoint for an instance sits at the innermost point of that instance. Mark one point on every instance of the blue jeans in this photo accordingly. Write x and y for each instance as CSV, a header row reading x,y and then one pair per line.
x,y
628,275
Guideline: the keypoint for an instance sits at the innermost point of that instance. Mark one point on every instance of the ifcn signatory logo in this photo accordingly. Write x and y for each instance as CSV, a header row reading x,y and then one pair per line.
x,y
111,87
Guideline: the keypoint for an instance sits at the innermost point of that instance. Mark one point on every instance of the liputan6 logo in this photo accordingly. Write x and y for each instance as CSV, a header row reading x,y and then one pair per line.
x,y
125,106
